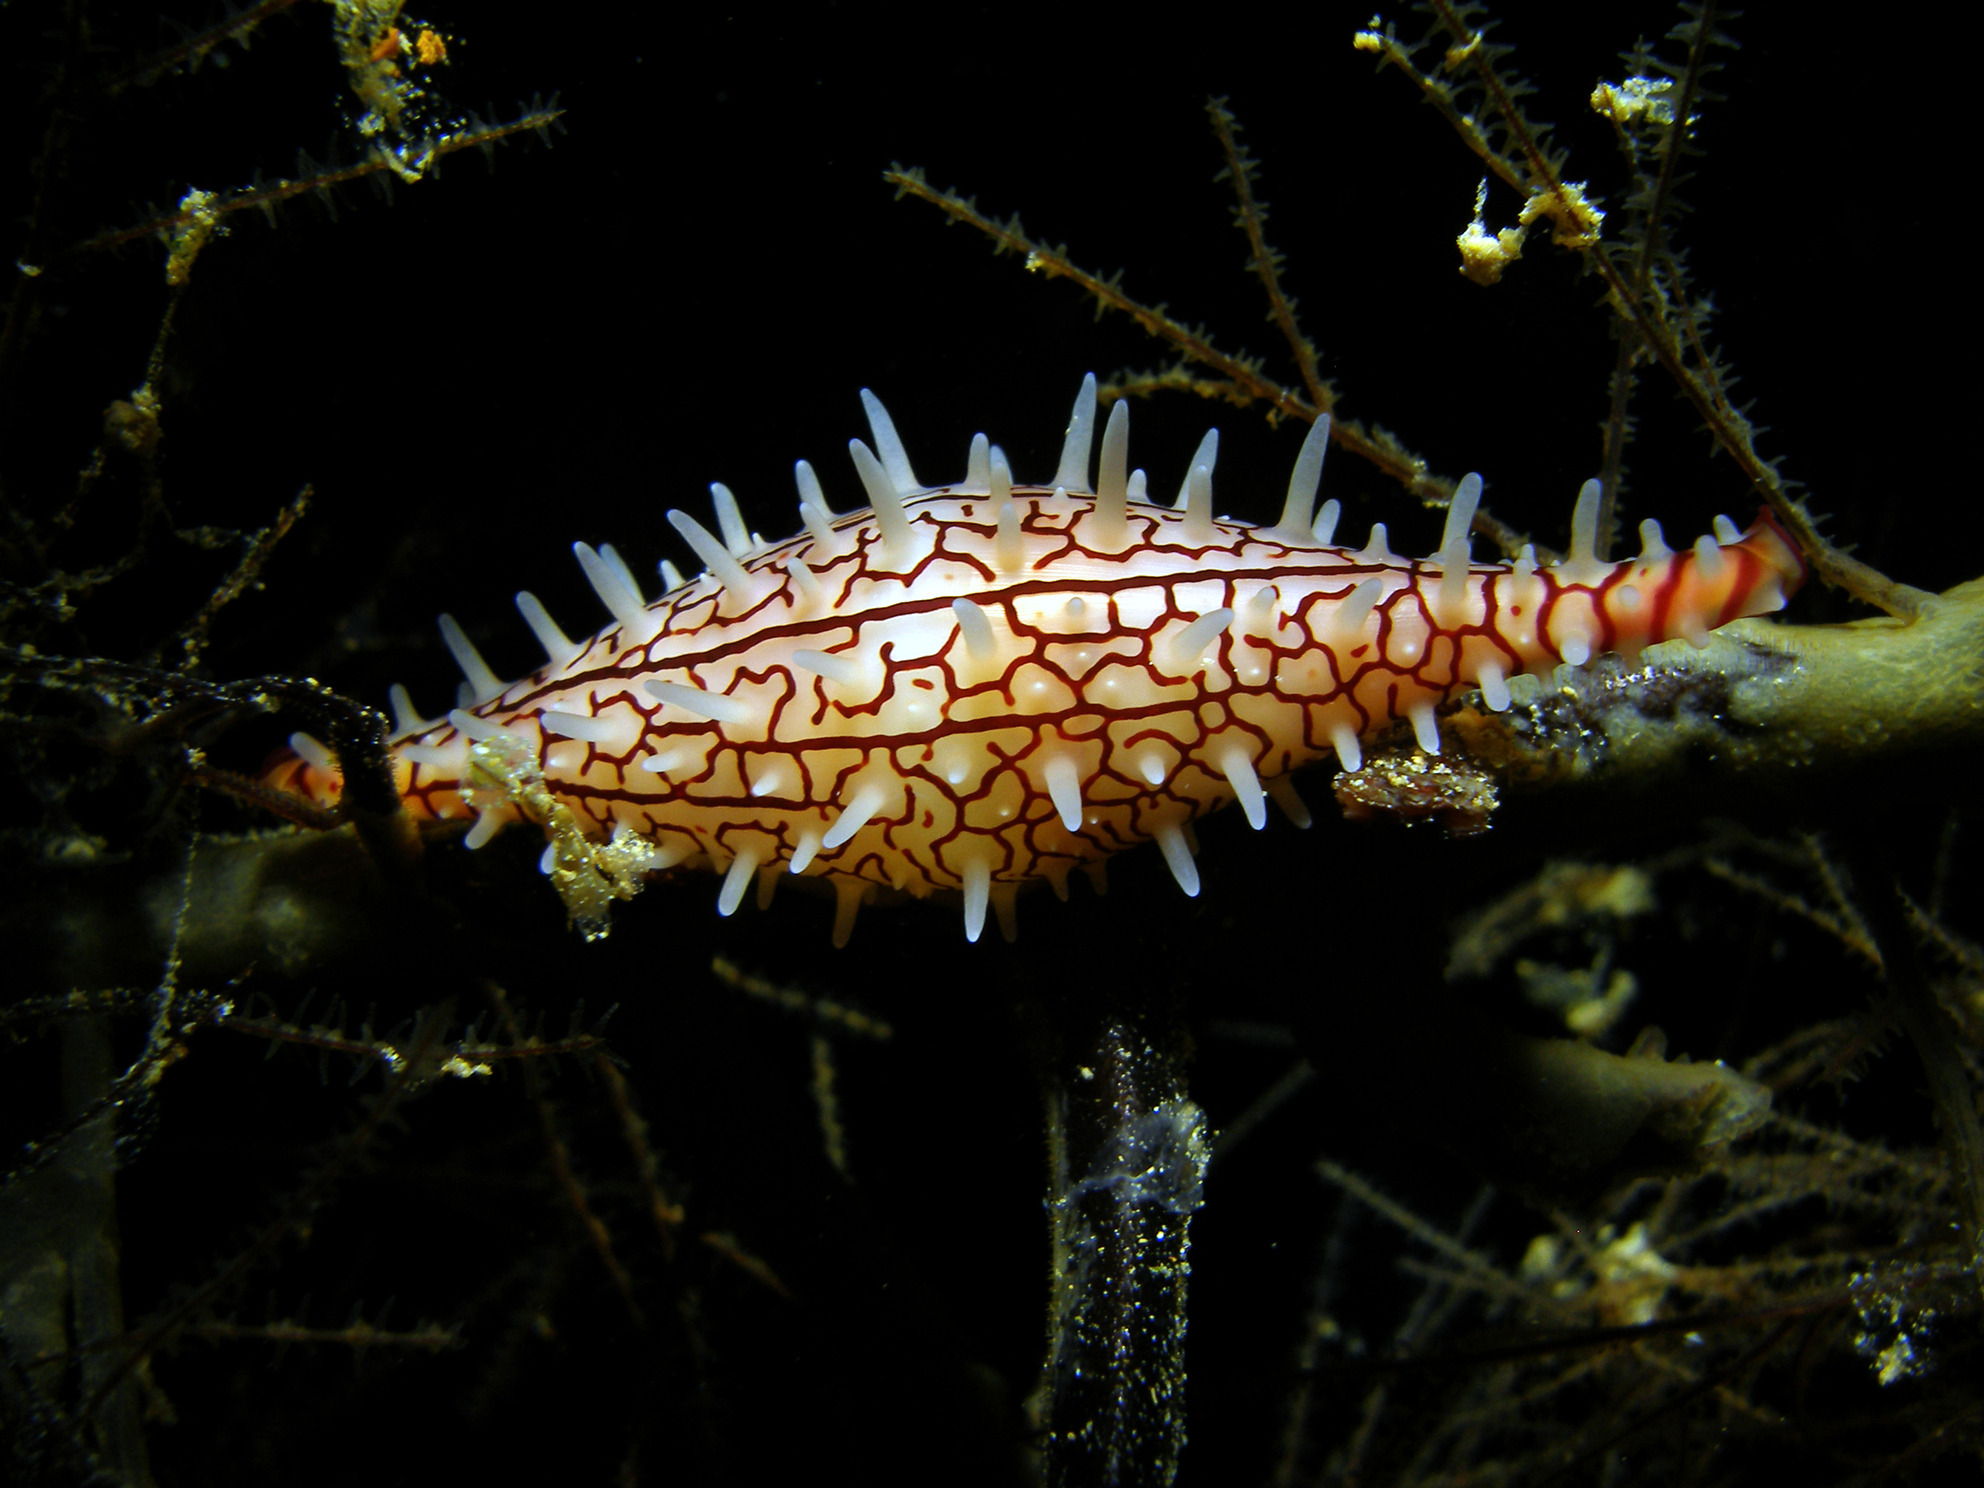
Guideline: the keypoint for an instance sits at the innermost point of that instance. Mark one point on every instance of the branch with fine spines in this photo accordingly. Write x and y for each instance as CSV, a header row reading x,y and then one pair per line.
x,y
149,1337
1539,177
1053,262
1251,215
1648,122
358,1335
195,47
1243,380
1533,174
319,180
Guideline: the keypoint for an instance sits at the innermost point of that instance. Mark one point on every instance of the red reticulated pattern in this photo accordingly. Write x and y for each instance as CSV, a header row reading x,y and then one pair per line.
x,y
949,728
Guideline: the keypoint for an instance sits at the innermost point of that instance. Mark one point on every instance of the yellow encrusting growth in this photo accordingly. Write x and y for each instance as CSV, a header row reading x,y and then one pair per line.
x,y
589,874
1483,255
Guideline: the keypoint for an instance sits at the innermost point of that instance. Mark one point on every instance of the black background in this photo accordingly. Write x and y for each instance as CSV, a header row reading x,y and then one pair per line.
x,y
690,285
